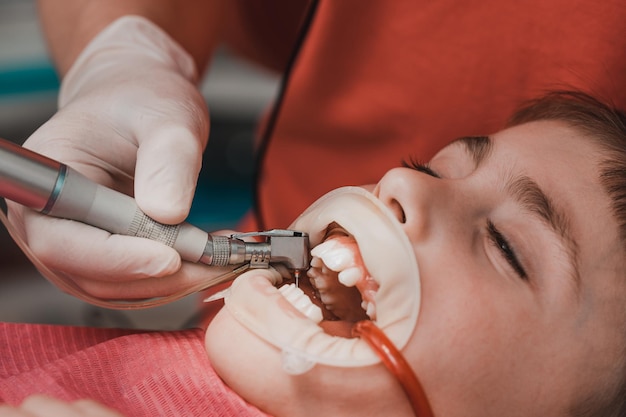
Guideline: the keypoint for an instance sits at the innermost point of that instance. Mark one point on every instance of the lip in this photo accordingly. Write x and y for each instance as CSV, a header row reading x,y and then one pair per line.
x,y
388,256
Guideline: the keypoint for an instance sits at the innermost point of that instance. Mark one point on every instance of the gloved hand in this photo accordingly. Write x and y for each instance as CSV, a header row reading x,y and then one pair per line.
x,y
130,117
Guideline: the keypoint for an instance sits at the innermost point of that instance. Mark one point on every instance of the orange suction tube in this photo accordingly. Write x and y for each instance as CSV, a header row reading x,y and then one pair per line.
x,y
396,364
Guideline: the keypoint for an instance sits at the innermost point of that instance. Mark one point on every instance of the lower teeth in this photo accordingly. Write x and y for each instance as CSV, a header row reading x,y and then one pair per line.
x,y
301,302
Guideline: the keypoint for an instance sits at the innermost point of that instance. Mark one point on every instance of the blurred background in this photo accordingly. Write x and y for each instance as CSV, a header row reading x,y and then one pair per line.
x,y
237,93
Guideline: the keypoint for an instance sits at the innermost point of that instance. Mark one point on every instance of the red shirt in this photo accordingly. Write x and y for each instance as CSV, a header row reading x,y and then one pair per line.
x,y
375,82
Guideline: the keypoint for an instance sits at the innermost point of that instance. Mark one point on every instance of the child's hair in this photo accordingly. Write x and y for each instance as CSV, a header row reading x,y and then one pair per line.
x,y
606,126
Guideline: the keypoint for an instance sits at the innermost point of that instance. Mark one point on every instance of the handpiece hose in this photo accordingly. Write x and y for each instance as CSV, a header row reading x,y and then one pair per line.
x,y
53,188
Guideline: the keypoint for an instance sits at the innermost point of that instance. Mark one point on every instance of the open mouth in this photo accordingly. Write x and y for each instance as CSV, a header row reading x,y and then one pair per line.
x,y
338,283
363,268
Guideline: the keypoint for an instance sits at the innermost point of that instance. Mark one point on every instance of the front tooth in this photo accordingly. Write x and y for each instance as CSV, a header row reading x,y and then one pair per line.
x,y
316,262
312,272
319,283
301,302
349,277
327,245
334,254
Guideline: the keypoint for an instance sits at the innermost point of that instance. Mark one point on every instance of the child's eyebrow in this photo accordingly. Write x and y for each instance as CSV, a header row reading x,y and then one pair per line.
x,y
531,196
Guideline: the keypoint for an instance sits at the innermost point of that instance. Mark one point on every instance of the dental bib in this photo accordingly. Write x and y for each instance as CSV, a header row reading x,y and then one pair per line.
x,y
388,256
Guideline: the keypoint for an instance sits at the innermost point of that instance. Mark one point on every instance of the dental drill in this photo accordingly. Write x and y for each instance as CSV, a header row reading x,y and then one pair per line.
x,y
53,188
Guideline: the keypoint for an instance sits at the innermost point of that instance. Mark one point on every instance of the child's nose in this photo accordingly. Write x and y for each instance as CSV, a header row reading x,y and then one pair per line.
x,y
410,196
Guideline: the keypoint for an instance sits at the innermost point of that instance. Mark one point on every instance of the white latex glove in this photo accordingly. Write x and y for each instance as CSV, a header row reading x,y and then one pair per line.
x,y
130,117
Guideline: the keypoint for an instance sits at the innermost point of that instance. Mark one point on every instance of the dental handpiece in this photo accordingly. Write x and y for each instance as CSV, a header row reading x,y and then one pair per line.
x,y
55,189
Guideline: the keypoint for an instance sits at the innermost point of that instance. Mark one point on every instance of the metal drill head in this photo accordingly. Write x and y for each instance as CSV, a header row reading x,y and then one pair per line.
x,y
292,251
287,247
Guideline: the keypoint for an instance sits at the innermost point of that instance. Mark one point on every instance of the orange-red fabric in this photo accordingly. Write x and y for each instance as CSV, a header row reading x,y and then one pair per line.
x,y
377,81
137,373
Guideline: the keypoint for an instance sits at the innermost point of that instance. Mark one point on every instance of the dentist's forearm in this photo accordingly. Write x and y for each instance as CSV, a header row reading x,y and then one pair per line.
x,y
70,26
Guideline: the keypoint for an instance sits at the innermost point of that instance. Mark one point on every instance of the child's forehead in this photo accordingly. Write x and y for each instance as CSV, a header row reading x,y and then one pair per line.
x,y
549,141
540,130
543,141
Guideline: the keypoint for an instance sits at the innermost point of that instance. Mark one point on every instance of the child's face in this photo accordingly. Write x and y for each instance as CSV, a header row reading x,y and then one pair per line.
x,y
521,283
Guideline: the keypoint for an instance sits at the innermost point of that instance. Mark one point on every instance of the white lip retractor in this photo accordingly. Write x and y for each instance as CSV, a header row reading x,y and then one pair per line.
x,y
389,258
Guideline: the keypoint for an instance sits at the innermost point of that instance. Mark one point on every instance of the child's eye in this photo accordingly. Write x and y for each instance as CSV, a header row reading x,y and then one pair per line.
x,y
420,167
502,244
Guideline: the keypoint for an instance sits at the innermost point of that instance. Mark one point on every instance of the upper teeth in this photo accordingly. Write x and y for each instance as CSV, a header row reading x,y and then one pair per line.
x,y
349,277
337,255
341,254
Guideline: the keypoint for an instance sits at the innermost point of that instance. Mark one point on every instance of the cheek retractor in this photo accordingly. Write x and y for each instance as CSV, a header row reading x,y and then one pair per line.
x,y
389,259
